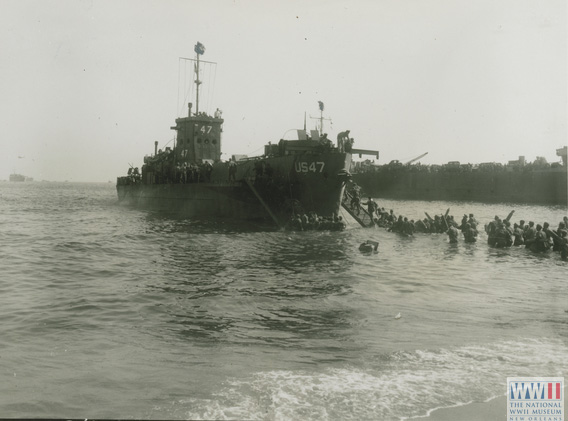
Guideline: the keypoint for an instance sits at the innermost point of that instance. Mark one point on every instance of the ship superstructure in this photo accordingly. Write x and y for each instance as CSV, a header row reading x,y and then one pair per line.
x,y
306,175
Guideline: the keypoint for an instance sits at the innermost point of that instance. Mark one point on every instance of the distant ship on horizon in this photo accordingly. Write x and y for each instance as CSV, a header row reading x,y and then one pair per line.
x,y
19,178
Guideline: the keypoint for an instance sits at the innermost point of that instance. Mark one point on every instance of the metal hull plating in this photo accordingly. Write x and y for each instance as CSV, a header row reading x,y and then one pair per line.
x,y
194,200
543,187
267,188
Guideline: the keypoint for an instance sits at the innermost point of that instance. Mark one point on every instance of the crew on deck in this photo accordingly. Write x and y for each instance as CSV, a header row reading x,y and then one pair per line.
x,y
342,139
133,176
232,170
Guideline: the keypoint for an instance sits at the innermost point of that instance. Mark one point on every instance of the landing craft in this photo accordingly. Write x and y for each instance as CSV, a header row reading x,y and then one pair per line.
x,y
190,179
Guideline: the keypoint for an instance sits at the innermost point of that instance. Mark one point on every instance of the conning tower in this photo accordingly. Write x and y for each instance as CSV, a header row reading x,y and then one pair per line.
x,y
198,135
198,138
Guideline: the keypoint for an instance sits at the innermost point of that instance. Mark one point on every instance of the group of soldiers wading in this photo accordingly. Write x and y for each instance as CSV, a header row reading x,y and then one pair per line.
x,y
539,238
401,224
500,233
311,221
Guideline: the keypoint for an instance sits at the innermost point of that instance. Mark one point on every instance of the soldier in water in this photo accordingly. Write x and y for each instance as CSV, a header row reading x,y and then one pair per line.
x,y
518,235
530,234
469,233
453,234
371,208
540,243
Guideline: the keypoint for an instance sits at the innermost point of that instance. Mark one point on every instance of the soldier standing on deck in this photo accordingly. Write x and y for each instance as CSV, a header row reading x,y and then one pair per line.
x,y
232,170
342,138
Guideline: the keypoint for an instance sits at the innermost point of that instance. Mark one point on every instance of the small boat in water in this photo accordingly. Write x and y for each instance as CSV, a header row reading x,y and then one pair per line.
x,y
306,175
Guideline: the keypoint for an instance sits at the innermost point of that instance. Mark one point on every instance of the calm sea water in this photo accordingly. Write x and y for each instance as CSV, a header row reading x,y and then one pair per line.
x,y
107,311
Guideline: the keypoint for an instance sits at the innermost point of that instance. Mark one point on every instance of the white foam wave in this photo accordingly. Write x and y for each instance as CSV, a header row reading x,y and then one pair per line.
x,y
404,385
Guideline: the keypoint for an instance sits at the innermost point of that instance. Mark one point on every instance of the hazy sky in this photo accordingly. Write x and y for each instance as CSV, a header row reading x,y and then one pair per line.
x,y
86,87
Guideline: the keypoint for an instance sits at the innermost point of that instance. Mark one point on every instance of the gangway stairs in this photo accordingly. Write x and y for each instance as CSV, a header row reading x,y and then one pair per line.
x,y
359,213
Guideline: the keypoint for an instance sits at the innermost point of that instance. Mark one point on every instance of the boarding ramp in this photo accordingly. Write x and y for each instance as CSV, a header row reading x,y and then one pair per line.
x,y
359,213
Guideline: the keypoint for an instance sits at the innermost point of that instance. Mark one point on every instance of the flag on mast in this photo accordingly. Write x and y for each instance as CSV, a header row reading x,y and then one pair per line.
x,y
320,105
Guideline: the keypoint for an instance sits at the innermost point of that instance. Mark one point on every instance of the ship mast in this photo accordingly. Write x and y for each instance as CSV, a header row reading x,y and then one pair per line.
x,y
199,50
321,119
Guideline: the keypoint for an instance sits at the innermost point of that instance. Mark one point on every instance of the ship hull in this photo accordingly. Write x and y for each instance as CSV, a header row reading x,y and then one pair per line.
x,y
269,188
194,200
542,187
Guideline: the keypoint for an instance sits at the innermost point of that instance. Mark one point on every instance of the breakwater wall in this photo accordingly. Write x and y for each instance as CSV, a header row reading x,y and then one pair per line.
x,y
542,187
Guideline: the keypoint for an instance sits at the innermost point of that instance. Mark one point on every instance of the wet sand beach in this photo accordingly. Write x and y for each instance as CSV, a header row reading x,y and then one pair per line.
x,y
495,409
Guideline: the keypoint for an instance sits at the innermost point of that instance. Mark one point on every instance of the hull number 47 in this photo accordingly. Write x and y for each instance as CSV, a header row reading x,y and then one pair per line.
x,y
309,166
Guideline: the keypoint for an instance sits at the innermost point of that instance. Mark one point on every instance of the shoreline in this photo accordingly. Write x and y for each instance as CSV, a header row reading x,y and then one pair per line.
x,y
492,409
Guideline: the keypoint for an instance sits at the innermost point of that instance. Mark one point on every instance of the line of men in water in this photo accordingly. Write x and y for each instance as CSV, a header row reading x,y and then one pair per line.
x,y
500,233
403,225
539,238
314,222
438,224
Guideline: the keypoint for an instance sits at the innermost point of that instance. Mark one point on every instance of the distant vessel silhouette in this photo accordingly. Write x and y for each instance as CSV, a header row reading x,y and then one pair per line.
x,y
19,178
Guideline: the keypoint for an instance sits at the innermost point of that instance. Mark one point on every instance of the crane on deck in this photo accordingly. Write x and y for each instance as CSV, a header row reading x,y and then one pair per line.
x,y
416,159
